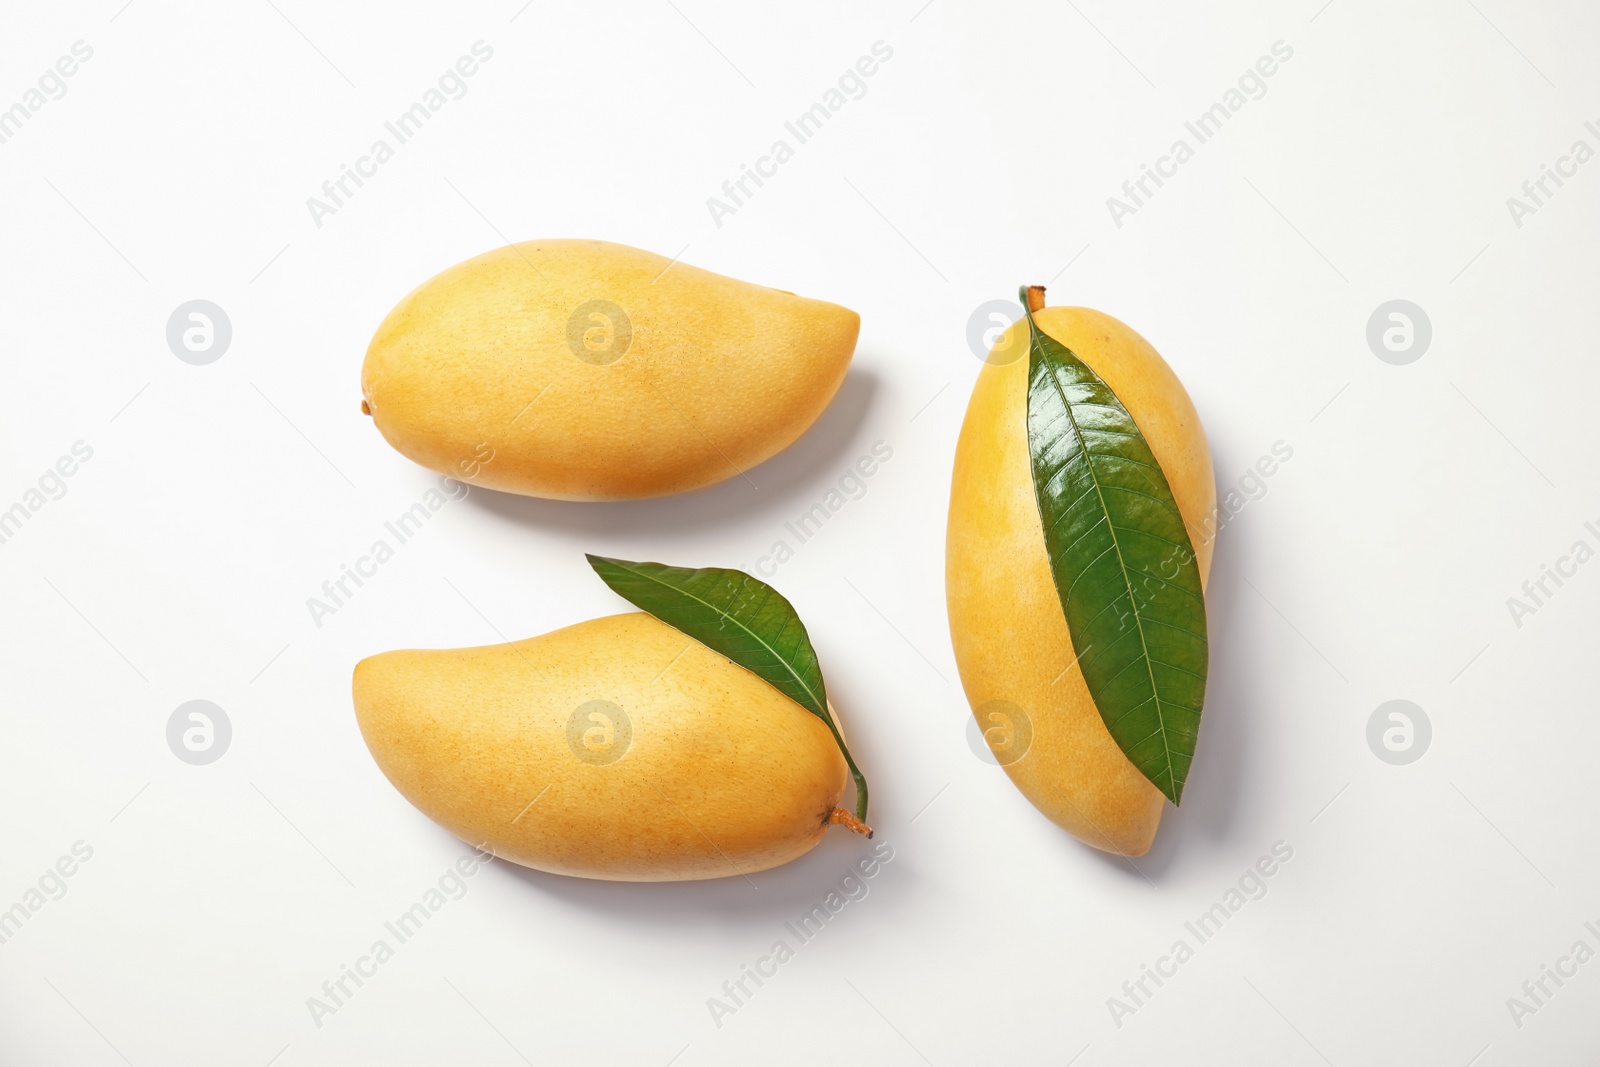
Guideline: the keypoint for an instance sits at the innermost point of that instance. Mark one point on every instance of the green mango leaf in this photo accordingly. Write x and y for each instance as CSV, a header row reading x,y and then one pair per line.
x,y
1122,561
742,618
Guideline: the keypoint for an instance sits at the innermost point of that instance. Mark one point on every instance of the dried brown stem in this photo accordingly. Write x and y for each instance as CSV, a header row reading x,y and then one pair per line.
x,y
843,818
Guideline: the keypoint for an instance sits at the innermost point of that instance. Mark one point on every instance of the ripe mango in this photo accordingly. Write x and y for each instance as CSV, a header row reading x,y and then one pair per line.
x,y
618,748
583,370
1010,635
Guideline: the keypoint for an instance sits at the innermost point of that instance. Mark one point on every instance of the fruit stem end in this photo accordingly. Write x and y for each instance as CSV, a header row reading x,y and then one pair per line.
x,y
1035,298
840,817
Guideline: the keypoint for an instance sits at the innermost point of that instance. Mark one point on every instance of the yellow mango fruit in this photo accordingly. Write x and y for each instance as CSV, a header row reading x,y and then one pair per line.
x,y
584,370
1007,626
618,748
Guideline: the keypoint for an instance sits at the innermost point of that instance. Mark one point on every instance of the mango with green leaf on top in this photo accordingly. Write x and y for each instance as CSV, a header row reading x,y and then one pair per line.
x,y
1078,544
692,741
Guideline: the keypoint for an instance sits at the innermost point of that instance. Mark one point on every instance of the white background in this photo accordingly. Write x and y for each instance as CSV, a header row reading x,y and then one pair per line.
x,y
1376,566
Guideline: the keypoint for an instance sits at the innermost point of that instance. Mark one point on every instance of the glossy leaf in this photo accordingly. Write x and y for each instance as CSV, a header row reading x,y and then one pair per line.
x,y
1122,561
742,618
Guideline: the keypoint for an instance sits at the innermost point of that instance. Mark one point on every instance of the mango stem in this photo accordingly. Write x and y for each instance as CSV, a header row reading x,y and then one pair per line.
x,y
840,817
1035,298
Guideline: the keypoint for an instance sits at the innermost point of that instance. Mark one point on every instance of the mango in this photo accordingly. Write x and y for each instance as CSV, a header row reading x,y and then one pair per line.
x,y
618,749
1007,627
583,370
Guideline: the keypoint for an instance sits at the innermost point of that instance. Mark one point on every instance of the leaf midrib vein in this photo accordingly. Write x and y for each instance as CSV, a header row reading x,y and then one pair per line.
x,y
737,622
1138,621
